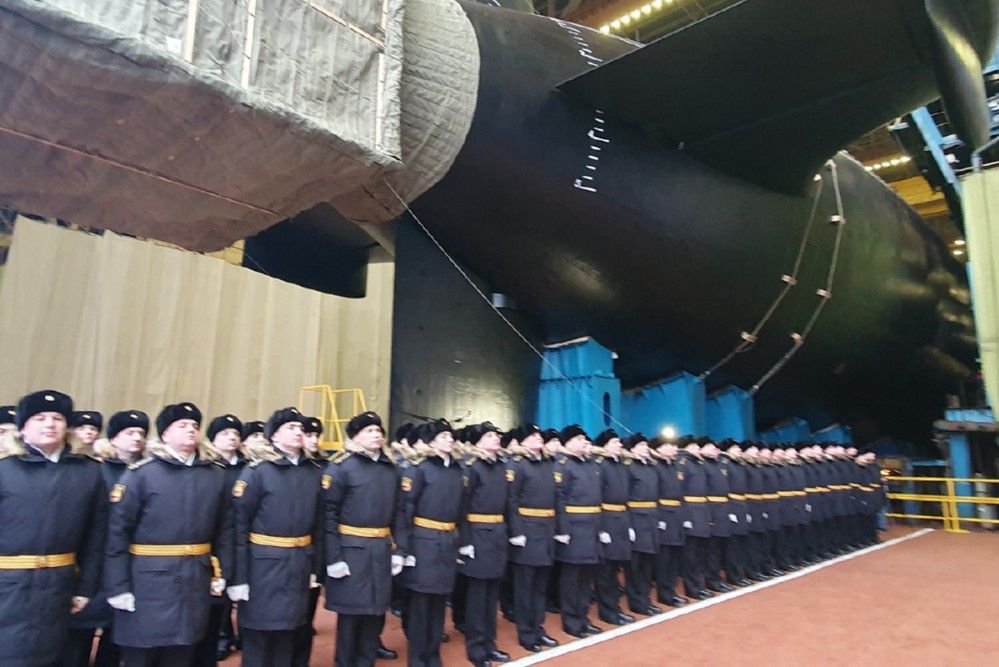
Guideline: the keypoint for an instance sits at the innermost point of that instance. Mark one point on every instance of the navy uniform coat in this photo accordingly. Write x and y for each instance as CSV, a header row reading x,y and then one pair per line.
x,y
46,509
361,492
671,508
799,482
755,503
771,505
487,495
721,525
161,501
277,499
532,486
434,491
644,489
695,491
785,484
738,487
577,487
614,487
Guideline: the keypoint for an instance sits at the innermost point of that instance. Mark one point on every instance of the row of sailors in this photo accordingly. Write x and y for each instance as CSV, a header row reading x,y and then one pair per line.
x,y
187,523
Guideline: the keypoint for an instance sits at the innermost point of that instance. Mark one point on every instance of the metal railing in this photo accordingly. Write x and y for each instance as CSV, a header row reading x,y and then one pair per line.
x,y
332,412
948,497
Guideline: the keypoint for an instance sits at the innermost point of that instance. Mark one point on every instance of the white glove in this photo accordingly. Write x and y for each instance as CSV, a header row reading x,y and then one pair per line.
x,y
604,537
123,602
468,550
688,525
77,604
766,516
338,570
661,525
240,593
314,581
217,586
397,564
562,539
808,507
749,518
518,541
631,534
410,561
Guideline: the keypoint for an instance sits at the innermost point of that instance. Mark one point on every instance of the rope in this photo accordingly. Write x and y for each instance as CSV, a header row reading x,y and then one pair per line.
x,y
499,313
790,280
825,294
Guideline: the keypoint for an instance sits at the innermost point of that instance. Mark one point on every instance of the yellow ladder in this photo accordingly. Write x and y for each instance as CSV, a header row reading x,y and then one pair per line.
x,y
332,412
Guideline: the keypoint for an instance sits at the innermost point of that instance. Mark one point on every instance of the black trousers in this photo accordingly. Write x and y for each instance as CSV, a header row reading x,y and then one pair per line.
x,y
459,597
754,555
713,560
159,656
694,555
506,592
481,603
530,584
575,592
735,557
206,650
669,564
426,623
302,650
357,639
267,648
80,643
554,580
638,581
608,588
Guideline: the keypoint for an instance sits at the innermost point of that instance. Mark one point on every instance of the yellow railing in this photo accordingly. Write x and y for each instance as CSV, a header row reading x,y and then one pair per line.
x,y
333,413
949,500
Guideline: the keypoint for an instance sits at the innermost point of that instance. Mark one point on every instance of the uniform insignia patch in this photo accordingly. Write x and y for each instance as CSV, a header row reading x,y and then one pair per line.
x,y
679,476
238,488
117,492
407,484
510,475
558,478
725,472
327,481
464,480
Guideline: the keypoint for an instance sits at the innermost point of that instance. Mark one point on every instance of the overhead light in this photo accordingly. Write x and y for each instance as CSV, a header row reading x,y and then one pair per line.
x,y
657,4
626,19
668,432
615,24
636,14
959,241
888,162
958,252
646,9
605,29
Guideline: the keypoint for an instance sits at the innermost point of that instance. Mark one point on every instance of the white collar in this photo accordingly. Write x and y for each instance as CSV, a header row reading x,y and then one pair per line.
x,y
234,460
53,457
294,459
186,460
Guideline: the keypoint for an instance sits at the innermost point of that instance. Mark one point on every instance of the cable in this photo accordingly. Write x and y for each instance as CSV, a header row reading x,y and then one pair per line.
x,y
825,294
789,280
503,317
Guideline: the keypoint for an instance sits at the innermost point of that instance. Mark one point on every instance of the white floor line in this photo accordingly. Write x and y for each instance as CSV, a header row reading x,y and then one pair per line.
x,y
607,635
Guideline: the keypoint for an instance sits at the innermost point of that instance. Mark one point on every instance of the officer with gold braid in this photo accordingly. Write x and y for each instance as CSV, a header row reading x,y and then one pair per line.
x,y
53,505
278,519
169,514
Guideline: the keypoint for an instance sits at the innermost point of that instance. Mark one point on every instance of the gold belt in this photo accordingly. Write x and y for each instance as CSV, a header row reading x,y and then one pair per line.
x,y
864,488
285,542
736,496
754,496
717,499
790,494
695,499
170,549
442,526
641,504
669,502
485,518
839,487
812,489
613,508
770,496
36,562
363,531
822,489
855,485
535,512
582,509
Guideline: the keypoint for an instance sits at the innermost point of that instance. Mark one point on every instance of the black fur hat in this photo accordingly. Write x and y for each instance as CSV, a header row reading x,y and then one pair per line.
x,y
127,419
8,414
362,421
47,400
605,437
87,418
634,439
222,423
314,425
280,418
249,428
570,432
176,412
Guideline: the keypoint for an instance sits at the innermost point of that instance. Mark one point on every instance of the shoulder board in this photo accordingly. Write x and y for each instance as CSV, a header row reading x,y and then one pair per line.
x,y
561,460
93,457
418,460
470,460
318,463
340,457
139,464
254,464
682,461
219,464
600,459
517,457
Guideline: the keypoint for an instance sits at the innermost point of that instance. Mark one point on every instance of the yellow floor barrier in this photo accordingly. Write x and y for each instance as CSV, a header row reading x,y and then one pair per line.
x,y
333,412
949,500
